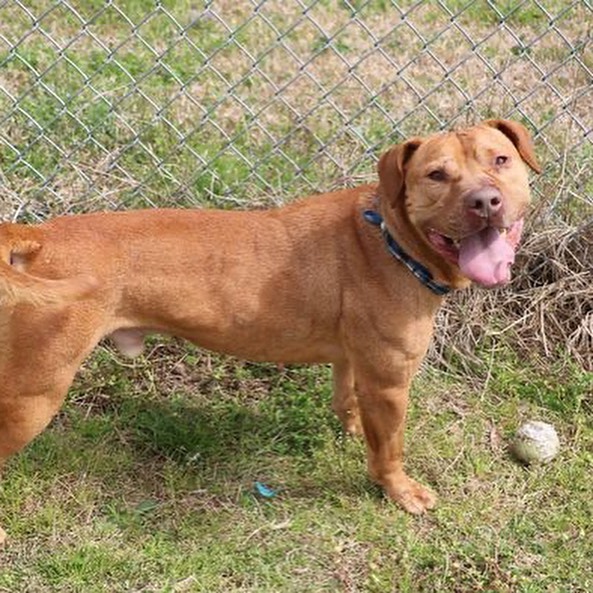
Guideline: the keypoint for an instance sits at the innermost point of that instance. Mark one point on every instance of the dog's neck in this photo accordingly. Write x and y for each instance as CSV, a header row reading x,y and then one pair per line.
x,y
416,246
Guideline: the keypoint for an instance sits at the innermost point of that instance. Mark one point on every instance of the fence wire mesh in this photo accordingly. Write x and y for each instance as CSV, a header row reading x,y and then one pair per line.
x,y
129,103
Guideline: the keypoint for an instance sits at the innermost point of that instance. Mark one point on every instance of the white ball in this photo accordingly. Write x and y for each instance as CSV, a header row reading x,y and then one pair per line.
x,y
536,442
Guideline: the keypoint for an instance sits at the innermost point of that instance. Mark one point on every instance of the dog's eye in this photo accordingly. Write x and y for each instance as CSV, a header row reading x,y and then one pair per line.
x,y
437,175
501,160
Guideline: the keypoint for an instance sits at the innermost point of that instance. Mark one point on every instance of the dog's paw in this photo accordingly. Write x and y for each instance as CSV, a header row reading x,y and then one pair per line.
x,y
411,495
2,537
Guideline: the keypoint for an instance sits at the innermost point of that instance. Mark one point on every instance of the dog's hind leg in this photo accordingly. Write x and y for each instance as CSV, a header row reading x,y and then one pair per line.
x,y
40,352
24,416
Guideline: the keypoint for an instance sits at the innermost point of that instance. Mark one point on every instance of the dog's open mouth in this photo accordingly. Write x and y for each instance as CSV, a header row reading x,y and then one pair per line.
x,y
484,257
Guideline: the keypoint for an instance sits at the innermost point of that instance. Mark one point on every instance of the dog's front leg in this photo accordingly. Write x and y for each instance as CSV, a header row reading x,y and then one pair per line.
x,y
383,413
344,401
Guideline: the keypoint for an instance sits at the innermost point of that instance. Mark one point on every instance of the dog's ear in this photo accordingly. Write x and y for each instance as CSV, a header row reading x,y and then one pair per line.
x,y
392,166
517,133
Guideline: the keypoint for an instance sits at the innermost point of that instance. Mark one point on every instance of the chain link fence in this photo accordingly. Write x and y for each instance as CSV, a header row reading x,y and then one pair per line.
x,y
130,103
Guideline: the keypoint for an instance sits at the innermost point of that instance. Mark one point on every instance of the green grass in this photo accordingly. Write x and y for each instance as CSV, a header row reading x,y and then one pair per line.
x,y
146,482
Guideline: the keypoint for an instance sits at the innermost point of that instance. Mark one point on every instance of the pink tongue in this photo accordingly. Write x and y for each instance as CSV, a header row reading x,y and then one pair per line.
x,y
486,257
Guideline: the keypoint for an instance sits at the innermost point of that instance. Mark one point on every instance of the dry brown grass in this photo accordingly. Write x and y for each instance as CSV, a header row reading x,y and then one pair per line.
x,y
546,312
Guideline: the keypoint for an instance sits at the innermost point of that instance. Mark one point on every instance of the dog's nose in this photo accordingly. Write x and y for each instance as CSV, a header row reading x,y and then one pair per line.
x,y
484,202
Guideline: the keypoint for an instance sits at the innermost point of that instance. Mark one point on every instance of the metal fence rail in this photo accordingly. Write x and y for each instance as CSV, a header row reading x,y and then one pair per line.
x,y
129,102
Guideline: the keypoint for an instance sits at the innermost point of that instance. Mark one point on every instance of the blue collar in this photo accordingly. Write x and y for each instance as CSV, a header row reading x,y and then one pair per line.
x,y
415,267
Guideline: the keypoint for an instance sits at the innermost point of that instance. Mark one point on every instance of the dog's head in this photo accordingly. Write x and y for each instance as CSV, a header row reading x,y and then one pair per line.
x,y
465,194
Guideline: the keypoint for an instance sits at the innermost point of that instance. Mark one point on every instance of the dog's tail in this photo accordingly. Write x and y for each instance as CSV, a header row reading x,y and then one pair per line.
x,y
19,287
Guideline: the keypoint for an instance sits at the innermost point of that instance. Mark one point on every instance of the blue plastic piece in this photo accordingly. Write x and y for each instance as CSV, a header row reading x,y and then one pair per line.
x,y
264,491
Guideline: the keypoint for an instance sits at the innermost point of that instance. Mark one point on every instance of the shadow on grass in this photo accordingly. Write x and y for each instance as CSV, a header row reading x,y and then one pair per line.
x,y
213,431
228,445
219,431
217,427
144,462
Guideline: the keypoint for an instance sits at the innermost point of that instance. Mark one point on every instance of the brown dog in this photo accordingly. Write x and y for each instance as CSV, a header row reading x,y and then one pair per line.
x,y
315,281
